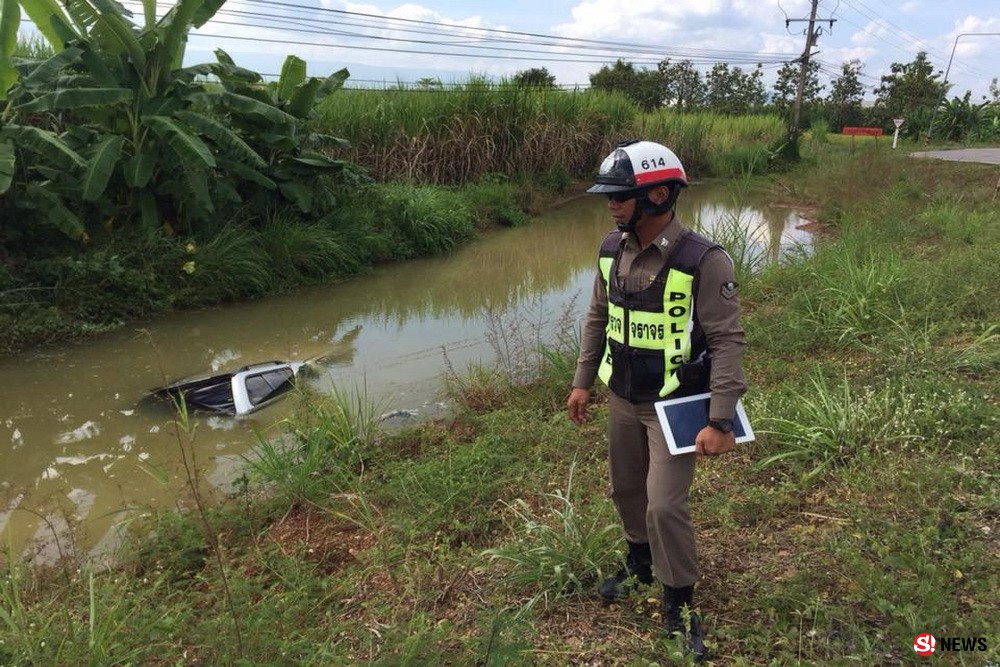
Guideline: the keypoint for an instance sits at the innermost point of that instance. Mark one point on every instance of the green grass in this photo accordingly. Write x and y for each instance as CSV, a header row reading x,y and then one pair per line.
x,y
864,513
473,130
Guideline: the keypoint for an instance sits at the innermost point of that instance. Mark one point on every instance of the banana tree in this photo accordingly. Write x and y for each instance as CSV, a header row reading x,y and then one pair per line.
x,y
293,156
115,122
964,120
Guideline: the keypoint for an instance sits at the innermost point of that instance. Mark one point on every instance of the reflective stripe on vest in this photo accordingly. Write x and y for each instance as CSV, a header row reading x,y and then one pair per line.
x,y
669,330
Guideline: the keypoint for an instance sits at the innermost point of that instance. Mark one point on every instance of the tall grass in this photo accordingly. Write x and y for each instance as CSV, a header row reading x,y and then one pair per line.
x,y
476,128
230,265
323,450
560,548
33,46
302,250
856,301
713,144
837,425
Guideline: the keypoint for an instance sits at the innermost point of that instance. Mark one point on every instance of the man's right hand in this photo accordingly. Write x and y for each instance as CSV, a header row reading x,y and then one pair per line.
x,y
576,405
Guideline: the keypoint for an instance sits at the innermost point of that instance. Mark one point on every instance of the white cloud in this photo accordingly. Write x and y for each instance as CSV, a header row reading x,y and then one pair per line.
x,y
648,20
328,52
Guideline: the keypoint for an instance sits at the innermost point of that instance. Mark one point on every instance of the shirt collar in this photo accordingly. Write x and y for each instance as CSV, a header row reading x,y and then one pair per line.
x,y
664,241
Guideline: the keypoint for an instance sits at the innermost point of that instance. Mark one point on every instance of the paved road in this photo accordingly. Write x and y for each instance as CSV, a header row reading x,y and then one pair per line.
x,y
984,155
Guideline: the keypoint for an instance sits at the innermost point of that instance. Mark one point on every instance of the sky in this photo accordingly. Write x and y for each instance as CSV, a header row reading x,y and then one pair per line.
x,y
365,37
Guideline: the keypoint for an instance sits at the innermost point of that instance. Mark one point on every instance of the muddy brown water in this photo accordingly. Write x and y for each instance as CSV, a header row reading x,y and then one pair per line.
x,y
83,451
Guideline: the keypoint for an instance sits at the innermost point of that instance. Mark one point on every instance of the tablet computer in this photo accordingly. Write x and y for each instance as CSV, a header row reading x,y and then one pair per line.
x,y
682,418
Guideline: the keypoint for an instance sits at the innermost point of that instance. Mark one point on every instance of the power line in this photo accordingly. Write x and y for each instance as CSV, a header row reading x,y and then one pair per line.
x,y
361,20
592,55
484,48
569,41
870,13
896,31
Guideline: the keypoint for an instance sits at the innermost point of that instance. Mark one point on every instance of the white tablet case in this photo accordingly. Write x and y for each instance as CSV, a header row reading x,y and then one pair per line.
x,y
682,418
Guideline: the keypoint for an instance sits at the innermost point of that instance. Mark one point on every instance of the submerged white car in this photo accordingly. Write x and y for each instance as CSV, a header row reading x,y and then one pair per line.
x,y
239,392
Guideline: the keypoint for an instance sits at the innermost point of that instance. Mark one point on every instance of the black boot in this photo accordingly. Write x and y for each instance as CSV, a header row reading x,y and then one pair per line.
x,y
674,601
638,564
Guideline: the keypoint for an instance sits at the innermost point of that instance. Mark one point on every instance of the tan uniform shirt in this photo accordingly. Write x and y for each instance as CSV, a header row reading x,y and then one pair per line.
x,y
716,306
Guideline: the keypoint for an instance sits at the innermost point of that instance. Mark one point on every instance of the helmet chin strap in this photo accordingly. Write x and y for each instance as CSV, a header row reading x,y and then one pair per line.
x,y
644,205
630,225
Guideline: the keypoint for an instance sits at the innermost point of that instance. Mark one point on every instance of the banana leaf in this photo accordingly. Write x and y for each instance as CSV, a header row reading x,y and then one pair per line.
x,y
138,169
173,29
258,109
102,165
299,194
247,173
119,31
317,160
303,99
223,137
317,139
224,71
191,150
198,194
293,75
76,98
50,207
10,18
96,67
206,11
8,164
333,83
47,70
43,14
149,213
45,144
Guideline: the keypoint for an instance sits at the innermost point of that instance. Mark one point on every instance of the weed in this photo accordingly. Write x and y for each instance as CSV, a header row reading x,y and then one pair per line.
x,y
560,548
323,449
303,250
836,425
229,265
854,303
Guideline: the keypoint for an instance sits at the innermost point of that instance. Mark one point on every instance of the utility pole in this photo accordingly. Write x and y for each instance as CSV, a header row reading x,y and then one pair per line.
x,y
812,34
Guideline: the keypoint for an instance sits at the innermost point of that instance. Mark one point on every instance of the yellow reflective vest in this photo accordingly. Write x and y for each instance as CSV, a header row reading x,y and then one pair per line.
x,y
651,333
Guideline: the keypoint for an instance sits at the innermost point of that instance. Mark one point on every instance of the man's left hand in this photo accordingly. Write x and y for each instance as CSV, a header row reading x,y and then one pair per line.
x,y
712,442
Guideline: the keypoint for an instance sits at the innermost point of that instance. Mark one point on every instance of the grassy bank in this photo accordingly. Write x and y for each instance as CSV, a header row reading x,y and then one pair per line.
x,y
66,291
865,513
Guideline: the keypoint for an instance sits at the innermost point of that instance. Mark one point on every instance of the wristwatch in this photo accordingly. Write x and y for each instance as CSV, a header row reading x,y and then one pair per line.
x,y
724,425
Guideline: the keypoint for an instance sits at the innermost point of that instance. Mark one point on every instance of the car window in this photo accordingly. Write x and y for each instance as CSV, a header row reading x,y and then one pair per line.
x,y
269,384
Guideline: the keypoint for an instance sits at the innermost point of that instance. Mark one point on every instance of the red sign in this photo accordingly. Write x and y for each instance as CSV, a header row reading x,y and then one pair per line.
x,y
924,644
862,131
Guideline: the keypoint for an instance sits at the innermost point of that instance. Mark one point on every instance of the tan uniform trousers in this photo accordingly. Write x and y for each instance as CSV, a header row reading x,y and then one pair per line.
x,y
650,487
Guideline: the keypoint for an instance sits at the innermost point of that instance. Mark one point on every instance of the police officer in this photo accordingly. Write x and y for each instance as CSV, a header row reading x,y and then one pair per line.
x,y
663,321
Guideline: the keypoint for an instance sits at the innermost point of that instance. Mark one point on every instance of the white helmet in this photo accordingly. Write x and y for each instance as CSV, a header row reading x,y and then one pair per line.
x,y
638,165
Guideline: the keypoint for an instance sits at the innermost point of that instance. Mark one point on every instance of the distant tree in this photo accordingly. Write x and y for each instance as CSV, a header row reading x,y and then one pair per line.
x,y
429,83
683,87
645,87
994,92
912,91
536,77
787,85
733,91
843,106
